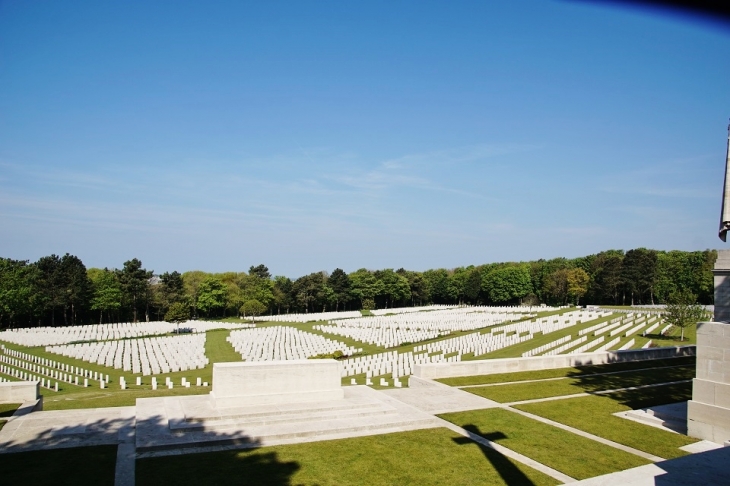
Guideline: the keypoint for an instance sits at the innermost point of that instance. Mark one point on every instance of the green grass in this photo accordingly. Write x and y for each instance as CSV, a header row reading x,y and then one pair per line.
x,y
594,415
571,454
60,467
582,384
565,372
428,457
217,349
8,409
118,398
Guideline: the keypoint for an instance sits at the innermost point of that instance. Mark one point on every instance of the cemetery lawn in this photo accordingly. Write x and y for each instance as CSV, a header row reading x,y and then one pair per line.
x,y
594,415
8,409
53,467
571,454
565,372
97,398
582,384
429,457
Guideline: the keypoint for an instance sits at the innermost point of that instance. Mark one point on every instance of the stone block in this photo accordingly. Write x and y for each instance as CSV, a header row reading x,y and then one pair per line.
x,y
275,382
703,391
711,353
722,395
19,391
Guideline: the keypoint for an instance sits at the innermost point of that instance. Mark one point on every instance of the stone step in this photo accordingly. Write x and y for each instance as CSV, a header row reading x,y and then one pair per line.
x,y
658,420
268,434
298,416
254,412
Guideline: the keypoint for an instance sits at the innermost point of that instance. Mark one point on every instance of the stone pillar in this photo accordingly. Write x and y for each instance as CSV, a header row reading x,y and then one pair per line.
x,y
708,413
722,286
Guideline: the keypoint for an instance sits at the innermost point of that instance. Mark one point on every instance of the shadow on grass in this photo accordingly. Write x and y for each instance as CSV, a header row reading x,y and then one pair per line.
x,y
506,469
249,467
83,450
628,374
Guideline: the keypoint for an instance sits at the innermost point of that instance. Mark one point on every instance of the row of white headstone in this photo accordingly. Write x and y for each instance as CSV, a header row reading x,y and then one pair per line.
x,y
147,356
313,317
395,330
47,336
284,343
47,367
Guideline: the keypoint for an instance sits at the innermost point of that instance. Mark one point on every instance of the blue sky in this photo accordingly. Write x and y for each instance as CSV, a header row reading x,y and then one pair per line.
x,y
315,135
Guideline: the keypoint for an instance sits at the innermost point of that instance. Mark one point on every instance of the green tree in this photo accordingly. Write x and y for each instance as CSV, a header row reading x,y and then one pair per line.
x,y
441,287
77,287
260,271
211,295
683,310
135,283
556,286
508,283
393,287
365,286
18,290
191,284
577,283
178,313
283,291
253,308
340,284
51,284
106,292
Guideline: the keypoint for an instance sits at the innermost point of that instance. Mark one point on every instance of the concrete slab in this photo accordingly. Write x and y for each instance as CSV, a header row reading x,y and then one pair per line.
x,y
671,417
434,398
65,428
710,468
701,446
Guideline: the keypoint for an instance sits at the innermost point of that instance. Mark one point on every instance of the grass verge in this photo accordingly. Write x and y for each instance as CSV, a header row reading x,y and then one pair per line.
x,y
8,409
565,372
432,457
594,415
60,467
571,454
582,384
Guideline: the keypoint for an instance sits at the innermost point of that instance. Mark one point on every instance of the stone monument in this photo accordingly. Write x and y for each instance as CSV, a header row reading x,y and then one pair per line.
x,y
275,382
708,413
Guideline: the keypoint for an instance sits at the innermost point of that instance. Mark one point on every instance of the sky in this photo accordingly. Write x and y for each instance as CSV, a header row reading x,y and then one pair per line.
x,y
314,135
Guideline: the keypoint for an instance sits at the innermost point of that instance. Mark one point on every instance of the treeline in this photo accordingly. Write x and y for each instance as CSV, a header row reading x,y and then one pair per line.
x,y
62,291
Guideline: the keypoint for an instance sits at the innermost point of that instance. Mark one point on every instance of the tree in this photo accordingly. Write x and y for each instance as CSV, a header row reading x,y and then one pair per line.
x,y
473,285
211,295
18,290
106,292
440,286
253,308
508,283
393,287
577,283
50,280
260,271
339,282
683,310
178,313
283,293
556,285
134,281
365,286
77,285
191,284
